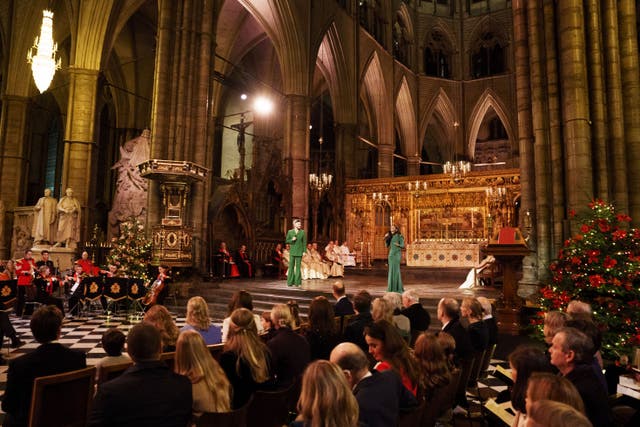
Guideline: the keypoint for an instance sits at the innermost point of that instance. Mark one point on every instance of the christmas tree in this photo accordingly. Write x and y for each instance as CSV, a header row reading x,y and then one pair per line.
x,y
601,265
131,251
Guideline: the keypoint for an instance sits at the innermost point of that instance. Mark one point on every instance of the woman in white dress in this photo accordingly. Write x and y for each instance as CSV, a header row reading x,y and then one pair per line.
x,y
472,277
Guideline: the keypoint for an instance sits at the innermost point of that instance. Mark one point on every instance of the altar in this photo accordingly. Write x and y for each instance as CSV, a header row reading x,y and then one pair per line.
x,y
437,253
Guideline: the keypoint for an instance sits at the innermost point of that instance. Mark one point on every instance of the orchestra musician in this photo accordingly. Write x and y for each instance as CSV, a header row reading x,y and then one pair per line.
x,y
25,270
76,289
44,260
159,289
46,284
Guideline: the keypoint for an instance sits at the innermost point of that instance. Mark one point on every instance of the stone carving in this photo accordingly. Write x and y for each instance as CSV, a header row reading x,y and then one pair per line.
x,y
44,219
69,211
130,199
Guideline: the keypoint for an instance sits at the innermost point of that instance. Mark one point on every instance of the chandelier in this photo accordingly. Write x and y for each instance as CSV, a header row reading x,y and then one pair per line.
x,y
495,195
457,169
320,182
42,55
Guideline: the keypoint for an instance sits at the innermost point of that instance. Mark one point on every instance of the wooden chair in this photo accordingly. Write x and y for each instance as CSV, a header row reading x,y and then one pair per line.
x,y
486,361
237,418
440,405
270,408
412,418
109,372
216,350
169,358
62,399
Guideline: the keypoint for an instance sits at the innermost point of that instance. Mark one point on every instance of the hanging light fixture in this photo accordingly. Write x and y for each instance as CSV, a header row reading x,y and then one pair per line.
x,y
456,168
42,55
321,181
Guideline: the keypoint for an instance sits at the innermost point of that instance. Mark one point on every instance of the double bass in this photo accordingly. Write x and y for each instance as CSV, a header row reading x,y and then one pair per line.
x,y
156,288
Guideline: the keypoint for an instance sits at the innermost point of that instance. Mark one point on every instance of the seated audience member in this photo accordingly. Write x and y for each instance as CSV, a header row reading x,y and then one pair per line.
x,y
268,330
547,413
240,299
579,310
382,309
524,361
198,320
419,318
433,362
392,353
594,334
354,332
326,399
547,386
488,320
477,330
49,358
210,387
553,321
321,333
290,352
448,345
113,341
380,395
294,309
159,316
245,265
147,393
449,316
571,353
343,306
401,321
246,359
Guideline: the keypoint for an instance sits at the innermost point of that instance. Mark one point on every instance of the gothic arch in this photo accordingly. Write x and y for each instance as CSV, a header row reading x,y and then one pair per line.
x,y
488,24
442,105
406,119
375,91
488,100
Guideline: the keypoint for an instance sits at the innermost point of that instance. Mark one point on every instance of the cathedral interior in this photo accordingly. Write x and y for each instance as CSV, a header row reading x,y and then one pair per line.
x,y
450,118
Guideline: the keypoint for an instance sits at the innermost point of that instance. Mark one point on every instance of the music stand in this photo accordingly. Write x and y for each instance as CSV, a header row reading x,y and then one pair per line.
x,y
136,291
115,290
93,290
8,292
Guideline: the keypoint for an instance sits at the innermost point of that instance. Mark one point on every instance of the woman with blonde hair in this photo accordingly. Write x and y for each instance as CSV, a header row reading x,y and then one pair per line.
x,y
471,309
547,413
159,316
553,321
210,387
246,359
326,399
198,320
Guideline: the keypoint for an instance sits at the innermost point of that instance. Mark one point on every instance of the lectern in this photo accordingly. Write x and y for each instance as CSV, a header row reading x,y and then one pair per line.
x,y
508,247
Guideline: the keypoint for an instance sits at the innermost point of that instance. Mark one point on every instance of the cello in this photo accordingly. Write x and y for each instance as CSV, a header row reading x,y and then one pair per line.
x,y
156,288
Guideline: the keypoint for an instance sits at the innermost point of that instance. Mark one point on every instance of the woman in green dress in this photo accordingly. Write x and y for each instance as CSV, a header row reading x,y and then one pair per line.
x,y
395,242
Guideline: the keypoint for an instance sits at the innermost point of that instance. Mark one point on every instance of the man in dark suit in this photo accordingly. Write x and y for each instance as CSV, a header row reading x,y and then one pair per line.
x,y
489,320
419,318
449,315
354,332
571,352
380,395
343,306
147,393
49,358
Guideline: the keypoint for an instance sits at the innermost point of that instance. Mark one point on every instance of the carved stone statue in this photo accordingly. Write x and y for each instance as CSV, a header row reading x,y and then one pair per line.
x,y
44,219
69,211
130,199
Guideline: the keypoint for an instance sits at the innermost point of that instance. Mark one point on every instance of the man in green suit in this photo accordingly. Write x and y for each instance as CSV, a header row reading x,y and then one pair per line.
x,y
297,238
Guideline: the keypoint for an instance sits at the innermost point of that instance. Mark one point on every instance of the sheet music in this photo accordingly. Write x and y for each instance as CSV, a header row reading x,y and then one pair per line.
x,y
74,287
504,411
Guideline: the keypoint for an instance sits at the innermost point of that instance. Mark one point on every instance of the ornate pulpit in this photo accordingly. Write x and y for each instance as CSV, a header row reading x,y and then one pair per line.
x,y
172,238
508,247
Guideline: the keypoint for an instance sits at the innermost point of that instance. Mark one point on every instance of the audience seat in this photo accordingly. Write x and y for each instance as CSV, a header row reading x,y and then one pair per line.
x,y
442,402
412,418
237,418
270,408
62,399
169,358
109,372
216,350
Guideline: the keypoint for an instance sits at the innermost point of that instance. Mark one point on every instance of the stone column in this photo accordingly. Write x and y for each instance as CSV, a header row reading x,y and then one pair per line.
x,y
525,139
385,160
80,138
296,142
631,88
413,165
575,99
346,144
597,97
13,164
617,149
539,115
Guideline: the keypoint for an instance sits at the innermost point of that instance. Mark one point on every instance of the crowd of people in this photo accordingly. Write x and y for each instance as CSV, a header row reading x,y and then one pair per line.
x,y
355,362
